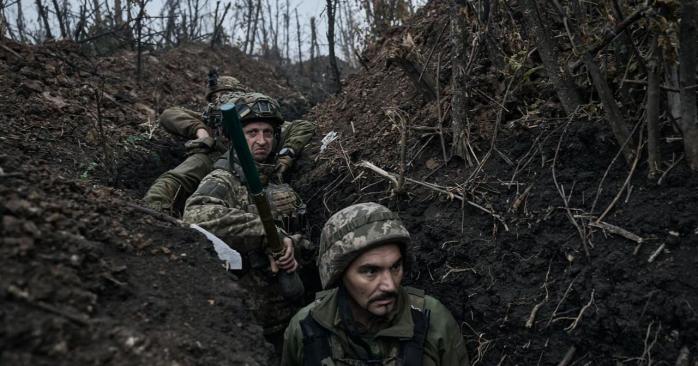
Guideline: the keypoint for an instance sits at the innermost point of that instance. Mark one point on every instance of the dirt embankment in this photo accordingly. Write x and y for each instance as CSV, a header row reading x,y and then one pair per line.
x,y
495,240
84,279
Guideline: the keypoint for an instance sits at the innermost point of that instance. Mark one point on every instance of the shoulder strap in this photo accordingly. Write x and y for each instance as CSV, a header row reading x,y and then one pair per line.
x,y
316,342
412,350
235,168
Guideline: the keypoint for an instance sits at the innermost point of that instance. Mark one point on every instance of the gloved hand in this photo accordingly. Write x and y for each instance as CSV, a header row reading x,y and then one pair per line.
x,y
201,145
283,163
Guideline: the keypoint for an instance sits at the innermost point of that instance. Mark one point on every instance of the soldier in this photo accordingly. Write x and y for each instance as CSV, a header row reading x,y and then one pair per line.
x,y
222,205
366,317
169,192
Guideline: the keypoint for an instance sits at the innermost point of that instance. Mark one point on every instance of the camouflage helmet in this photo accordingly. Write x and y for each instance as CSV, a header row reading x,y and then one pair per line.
x,y
255,107
224,83
354,230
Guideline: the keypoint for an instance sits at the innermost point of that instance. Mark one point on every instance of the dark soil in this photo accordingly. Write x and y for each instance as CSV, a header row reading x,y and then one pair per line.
x,y
492,276
84,279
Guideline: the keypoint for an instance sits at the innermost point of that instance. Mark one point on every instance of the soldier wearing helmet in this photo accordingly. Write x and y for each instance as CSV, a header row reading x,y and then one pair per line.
x,y
169,192
221,204
365,316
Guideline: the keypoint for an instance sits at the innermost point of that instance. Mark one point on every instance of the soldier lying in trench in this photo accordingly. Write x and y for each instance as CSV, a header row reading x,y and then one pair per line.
x,y
169,191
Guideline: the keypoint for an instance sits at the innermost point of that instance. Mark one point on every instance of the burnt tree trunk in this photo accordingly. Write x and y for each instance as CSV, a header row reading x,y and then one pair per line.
x,y
218,27
3,20
21,26
265,34
82,20
43,15
254,26
313,38
118,14
61,19
97,11
687,81
565,87
287,22
250,10
459,44
613,112
331,7
139,43
300,51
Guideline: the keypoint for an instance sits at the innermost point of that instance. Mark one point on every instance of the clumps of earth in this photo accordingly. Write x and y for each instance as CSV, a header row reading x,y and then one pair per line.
x,y
87,279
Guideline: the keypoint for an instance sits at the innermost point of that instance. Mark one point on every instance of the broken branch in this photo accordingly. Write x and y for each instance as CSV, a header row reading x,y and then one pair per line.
x,y
617,230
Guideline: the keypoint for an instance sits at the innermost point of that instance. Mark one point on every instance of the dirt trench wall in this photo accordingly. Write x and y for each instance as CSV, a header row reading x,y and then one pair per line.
x,y
83,278
508,260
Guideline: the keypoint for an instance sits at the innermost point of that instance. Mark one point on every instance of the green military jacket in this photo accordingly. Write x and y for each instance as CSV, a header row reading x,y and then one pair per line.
x,y
444,344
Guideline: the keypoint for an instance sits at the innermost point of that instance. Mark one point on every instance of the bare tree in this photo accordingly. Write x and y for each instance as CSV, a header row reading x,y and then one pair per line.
x,y
118,15
248,32
139,43
3,20
265,33
276,30
687,81
193,18
43,17
82,21
218,25
613,112
287,22
21,26
97,12
540,32
331,9
258,7
65,9
300,51
61,19
313,44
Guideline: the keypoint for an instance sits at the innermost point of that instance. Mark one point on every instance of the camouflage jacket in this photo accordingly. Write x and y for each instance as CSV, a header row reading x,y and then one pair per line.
x,y
184,122
222,205
443,346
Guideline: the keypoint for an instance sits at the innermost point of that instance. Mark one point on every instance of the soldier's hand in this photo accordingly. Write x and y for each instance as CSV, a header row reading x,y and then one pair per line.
x,y
202,133
286,262
283,163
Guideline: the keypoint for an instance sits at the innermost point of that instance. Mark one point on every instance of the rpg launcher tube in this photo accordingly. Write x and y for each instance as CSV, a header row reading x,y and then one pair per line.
x,y
289,283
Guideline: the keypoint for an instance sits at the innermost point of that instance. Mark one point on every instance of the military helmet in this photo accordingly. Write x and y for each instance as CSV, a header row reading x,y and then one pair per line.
x,y
255,107
224,83
354,230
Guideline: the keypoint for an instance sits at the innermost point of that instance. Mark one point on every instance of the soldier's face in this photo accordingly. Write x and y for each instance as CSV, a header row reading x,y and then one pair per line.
x,y
260,136
372,281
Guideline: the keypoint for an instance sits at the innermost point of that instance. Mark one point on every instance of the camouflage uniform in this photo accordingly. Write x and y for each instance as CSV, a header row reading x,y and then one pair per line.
x,y
222,205
172,188
346,235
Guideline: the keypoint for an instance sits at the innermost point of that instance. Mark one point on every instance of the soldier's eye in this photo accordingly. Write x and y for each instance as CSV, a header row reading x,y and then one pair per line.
x,y
368,271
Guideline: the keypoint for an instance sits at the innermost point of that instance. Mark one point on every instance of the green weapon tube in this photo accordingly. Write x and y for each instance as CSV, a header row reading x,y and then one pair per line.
x,y
290,284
